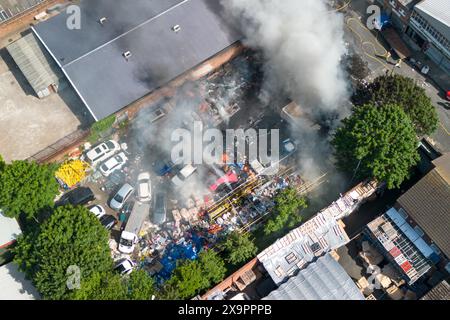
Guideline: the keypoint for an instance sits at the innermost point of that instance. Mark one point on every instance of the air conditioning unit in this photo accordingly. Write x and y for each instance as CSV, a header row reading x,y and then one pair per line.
x,y
127,55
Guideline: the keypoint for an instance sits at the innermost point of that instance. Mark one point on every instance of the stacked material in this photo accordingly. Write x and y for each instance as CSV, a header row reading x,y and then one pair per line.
x,y
72,172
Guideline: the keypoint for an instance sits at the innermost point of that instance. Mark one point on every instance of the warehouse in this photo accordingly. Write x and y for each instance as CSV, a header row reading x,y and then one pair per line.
x,y
123,52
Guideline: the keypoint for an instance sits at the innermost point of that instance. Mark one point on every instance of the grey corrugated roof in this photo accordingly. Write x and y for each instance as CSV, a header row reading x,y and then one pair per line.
x,y
428,203
92,56
323,280
440,292
37,66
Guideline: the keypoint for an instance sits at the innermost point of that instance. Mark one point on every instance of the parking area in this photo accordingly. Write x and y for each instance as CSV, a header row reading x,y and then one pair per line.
x,y
29,124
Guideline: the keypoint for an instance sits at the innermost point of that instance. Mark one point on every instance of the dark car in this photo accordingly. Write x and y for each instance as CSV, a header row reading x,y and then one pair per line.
x,y
108,221
159,209
76,197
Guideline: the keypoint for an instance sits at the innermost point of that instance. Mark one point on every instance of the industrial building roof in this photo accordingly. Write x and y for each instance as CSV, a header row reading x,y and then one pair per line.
x,y
440,292
303,245
14,284
35,63
437,13
324,279
428,203
93,56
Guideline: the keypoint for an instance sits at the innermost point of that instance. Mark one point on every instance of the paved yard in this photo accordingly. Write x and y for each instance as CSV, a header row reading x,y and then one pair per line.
x,y
29,124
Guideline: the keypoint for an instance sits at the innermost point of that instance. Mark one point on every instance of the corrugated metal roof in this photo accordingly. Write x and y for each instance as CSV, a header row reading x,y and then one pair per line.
x,y
324,279
440,292
38,67
294,251
437,12
428,203
93,60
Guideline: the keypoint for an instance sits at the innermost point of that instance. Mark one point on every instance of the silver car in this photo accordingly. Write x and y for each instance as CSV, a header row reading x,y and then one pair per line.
x,y
118,201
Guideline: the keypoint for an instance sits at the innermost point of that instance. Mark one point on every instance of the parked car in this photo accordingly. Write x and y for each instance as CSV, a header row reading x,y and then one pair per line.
x,y
144,187
121,197
108,221
98,211
114,163
102,152
127,242
124,266
76,197
159,209
180,179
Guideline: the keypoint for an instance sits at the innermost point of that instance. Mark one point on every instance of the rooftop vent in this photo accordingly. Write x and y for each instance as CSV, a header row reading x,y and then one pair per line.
x,y
127,55
102,20
176,28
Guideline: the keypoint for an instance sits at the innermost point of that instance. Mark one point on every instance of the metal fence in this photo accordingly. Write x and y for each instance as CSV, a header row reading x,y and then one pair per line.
x,y
60,146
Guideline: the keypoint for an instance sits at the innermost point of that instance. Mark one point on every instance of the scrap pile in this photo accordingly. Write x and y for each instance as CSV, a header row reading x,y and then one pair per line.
x,y
72,172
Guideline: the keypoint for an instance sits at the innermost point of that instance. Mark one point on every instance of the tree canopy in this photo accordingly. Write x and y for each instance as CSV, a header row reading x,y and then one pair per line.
x,y
2,164
286,211
404,92
27,187
69,237
377,143
111,286
191,277
238,248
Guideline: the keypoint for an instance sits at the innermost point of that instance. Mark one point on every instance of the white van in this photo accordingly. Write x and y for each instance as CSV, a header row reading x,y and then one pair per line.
x,y
129,236
180,179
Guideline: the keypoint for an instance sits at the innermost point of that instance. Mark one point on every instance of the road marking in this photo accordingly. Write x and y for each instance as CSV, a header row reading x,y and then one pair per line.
x,y
444,128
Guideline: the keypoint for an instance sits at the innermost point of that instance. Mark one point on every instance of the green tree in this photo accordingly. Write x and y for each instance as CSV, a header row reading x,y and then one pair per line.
x,y
191,277
27,187
213,267
186,281
378,143
101,286
2,164
404,92
140,286
238,248
69,237
286,211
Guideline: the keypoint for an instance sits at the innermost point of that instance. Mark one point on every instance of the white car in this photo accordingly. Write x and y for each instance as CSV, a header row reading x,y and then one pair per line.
x,y
102,152
114,163
127,242
118,201
144,188
125,266
183,175
98,211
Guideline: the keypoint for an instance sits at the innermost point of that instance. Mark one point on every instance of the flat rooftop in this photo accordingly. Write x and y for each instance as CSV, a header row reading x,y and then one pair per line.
x,y
93,57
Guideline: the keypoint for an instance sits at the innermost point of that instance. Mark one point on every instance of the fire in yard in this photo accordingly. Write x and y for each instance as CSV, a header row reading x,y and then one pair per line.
x,y
192,206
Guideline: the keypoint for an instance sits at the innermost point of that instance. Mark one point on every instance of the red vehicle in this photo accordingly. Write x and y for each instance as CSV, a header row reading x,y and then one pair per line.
x,y
230,177
448,95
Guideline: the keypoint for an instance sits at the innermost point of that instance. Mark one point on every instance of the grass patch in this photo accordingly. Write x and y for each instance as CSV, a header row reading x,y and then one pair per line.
x,y
100,127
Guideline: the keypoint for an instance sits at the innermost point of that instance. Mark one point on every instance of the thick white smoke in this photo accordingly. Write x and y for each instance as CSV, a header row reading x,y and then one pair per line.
x,y
303,44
